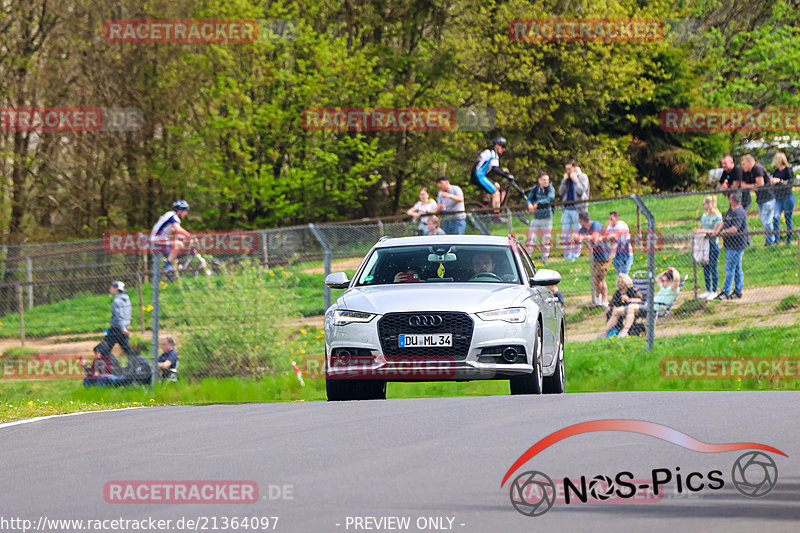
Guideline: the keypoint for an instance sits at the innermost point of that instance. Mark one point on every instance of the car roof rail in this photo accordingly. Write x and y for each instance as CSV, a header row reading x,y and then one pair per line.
x,y
384,238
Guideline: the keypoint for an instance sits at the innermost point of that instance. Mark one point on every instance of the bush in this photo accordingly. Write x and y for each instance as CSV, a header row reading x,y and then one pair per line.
x,y
790,302
234,324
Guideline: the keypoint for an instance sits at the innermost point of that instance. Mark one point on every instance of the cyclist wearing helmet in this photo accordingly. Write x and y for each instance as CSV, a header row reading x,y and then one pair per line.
x,y
489,163
165,233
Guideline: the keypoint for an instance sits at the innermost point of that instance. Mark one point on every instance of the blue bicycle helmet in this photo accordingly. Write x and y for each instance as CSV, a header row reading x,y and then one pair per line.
x,y
180,205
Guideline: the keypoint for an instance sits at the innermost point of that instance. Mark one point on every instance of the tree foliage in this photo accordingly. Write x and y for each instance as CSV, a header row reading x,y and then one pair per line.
x,y
223,122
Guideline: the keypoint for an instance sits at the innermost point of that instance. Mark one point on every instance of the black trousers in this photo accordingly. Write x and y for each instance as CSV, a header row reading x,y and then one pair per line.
x,y
116,336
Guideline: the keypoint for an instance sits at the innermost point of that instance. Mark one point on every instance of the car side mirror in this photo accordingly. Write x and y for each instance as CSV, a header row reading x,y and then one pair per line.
x,y
337,280
545,277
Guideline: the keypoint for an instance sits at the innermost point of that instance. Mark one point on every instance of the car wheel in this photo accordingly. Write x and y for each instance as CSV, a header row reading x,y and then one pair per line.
x,y
531,383
555,384
342,390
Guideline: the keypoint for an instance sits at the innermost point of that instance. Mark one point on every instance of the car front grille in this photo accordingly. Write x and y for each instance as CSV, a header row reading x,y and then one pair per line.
x,y
393,324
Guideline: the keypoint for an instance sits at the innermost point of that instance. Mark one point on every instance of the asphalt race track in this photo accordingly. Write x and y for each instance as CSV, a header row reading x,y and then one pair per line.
x,y
335,467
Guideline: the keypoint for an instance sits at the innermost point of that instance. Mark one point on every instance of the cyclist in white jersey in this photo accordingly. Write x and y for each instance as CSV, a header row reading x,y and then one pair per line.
x,y
168,235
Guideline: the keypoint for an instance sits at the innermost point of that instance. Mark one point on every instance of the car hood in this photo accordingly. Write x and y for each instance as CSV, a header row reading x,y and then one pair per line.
x,y
469,297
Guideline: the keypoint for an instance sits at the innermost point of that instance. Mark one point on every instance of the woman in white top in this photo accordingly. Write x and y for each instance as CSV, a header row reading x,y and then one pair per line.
x,y
425,205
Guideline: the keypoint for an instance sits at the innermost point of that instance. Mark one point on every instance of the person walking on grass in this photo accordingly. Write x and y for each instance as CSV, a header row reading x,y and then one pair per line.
x,y
735,236
118,332
708,223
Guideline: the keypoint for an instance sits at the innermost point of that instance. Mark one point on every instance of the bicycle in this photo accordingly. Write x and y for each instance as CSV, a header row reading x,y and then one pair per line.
x,y
486,203
208,267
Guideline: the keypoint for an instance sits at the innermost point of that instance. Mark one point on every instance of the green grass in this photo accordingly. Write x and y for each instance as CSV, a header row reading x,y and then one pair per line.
x,y
18,351
605,365
790,302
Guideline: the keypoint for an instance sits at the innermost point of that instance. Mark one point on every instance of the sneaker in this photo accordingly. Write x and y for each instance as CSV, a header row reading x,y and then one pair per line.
x,y
722,296
703,295
499,220
168,268
735,295
622,335
603,304
595,301
711,295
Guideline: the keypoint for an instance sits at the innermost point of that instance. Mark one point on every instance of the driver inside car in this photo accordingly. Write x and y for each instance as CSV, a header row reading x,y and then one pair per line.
x,y
482,263
408,276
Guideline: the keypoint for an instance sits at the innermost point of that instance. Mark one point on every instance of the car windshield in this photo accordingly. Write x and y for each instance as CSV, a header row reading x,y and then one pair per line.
x,y
440,263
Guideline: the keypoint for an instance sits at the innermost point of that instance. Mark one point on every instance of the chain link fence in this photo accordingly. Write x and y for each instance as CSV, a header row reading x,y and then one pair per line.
x,y
255,311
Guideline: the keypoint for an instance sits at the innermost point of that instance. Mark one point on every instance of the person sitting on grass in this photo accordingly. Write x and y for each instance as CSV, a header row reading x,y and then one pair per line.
x,y
670,283
168,361
625,295
104,370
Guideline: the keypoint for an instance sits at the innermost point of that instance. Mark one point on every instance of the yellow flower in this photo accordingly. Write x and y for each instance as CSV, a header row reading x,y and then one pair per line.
x,y
734,340
152,400
303,332
163,284
30,403
302,351
271,273
701,339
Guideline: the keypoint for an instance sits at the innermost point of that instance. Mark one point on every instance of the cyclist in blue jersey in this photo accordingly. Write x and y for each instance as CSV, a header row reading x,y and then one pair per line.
x,y
168,235
489,163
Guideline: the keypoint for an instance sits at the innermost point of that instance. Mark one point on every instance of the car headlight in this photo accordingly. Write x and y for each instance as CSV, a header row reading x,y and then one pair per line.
x,y
509,314
342,317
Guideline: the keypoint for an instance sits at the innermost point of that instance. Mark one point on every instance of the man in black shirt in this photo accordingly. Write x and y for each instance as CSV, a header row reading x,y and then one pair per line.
x,y
734,230
731,178
756,177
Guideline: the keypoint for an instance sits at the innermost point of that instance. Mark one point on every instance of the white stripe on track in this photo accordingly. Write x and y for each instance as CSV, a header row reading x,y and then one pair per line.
x,y
39,418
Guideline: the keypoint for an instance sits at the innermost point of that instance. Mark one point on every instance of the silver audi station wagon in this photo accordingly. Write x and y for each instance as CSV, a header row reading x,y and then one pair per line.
x,y
444,307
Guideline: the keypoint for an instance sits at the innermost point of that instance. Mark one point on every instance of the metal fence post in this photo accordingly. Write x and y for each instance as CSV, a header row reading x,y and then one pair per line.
x,y
156,279
651,268
694,275
510,221
326,256
21,309
30,281
141,303
380,229
265,248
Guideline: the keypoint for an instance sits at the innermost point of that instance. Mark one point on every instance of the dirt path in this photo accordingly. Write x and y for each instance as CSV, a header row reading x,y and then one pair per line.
x,y
336,266
51,346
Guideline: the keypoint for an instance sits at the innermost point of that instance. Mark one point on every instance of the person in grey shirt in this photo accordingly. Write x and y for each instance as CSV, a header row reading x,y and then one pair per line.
x,y
574,187
118,332
451,200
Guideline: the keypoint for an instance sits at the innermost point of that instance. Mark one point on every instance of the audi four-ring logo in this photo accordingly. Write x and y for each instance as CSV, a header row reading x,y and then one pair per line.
x,y
425,320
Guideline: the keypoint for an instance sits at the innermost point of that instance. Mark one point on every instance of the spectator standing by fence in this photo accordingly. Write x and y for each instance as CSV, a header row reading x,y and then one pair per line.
x,y
731,177
736,238
540,202
451,200
756,177
574,187
618,235
118,332
708,222
783,180
592,233
422,209
432,227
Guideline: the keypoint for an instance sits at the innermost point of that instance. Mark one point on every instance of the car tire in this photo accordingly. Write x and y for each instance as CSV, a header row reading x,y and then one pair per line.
x,y
342,390
531,383
556,383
